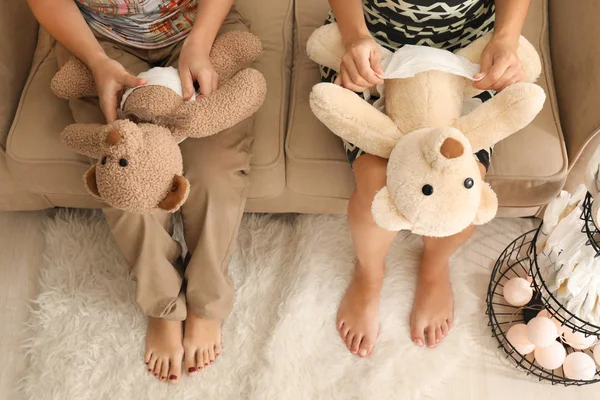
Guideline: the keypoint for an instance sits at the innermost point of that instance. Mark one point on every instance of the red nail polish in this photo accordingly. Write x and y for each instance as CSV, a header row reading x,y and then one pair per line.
x,y
192,369
172,377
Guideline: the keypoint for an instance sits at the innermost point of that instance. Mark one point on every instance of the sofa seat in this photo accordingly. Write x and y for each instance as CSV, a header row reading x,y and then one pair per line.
x,y
528,168
37,158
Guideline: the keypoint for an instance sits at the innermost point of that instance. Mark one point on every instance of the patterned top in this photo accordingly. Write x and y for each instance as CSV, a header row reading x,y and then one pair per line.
x,y
145,24
449,25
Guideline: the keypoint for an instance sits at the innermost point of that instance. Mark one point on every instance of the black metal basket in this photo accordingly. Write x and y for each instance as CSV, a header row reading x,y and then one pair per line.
x,y
589,226
519,259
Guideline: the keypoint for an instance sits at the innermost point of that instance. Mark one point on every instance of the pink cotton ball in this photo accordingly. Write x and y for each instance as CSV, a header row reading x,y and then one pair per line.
x,y
579,366
550,357
517,292
560,328
578,340
541,331
517,337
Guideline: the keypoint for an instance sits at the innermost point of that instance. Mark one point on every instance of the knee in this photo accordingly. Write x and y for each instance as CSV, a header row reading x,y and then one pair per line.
x,y
371,174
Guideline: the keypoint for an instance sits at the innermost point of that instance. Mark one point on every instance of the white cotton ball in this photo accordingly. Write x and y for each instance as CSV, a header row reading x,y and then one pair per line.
x,y
597,354
550,357
517,337
579,366
578,340
541,331
517,291
560,328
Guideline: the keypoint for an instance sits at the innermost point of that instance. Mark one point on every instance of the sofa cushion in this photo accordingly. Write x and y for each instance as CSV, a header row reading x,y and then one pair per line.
x,y
528,168
37,158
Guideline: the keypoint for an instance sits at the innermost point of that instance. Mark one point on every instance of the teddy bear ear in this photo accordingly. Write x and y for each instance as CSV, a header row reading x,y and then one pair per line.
x,y
385,213
177,195
91,183
83,138
488,206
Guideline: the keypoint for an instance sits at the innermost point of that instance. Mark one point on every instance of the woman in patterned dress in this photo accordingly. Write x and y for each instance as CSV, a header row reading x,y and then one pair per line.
x,y
450,25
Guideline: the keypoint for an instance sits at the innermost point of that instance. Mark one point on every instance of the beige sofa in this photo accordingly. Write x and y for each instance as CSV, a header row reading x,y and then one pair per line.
x,y
298,166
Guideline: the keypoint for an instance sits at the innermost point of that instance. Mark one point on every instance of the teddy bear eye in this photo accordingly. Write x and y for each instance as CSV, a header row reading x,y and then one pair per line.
x,y
427,190
123,162
469,183
104,160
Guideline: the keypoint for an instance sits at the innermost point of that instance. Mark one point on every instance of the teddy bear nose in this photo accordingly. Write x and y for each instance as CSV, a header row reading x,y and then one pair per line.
x,y
113,138
452,148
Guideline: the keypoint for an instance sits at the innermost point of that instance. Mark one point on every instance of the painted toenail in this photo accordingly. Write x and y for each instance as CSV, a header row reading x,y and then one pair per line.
x,y
172,377
363,353
192,369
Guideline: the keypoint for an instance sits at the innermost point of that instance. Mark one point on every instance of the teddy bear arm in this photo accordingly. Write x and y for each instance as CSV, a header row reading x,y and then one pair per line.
x,y
506,113
325,46
236,100
74,80
488,206
232,51
353,119
386,214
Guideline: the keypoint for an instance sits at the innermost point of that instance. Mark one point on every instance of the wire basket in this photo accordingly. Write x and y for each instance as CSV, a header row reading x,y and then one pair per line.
x,y
589,226
519,259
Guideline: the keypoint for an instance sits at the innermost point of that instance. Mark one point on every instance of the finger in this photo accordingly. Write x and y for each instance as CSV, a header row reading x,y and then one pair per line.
x,y
355,76
131,80
338,79
505,79
495,73
348,84
108,104
366,72
484,65
375,59
215,82
205,82
187,83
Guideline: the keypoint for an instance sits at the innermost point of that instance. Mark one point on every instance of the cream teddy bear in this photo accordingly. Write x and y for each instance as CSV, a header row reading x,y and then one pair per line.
x,y
140,167
434,185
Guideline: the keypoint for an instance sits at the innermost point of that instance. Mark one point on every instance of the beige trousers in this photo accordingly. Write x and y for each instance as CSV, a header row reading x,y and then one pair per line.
x,y
217,169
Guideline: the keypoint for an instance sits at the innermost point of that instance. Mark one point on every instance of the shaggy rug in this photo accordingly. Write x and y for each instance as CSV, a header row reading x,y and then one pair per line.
x,y
290,272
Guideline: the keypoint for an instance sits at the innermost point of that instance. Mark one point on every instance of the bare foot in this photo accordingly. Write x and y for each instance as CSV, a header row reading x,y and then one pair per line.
x,y
358,315
164,352
202,342
433,307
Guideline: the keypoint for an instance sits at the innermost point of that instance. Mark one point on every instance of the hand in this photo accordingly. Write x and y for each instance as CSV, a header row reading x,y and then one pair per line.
x,y
195,66
111,80
361,66
500,66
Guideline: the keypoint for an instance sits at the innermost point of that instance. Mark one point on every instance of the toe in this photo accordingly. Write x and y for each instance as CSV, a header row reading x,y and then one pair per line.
x,y
157,368
164,370
450,321
417,335
445,328
344,332
205,358
211,354
366,346
190,362
175,370
349,339
430,332
152,364
147,357
339,325
218,349
438,334
356,343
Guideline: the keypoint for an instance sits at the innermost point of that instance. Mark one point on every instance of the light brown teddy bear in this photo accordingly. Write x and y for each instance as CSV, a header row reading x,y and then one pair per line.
x,y
140,167
434,185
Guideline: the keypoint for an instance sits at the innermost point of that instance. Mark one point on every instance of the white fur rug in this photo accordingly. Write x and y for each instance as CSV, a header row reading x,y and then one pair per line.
x,y
87,335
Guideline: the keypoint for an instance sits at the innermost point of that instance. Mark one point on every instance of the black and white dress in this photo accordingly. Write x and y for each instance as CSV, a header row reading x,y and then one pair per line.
x,y
449,25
